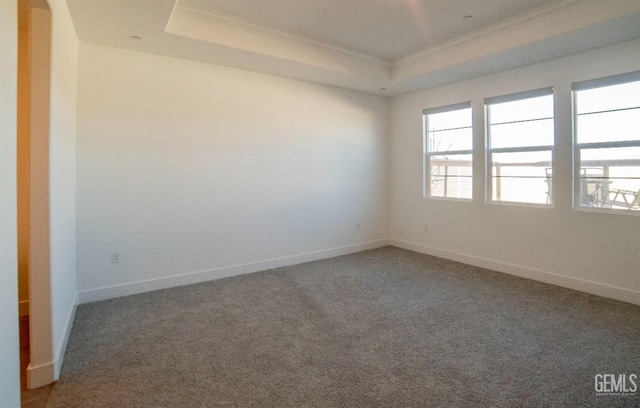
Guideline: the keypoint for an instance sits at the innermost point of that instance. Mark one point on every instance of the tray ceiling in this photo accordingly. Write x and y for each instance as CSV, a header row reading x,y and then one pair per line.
x,y
386,47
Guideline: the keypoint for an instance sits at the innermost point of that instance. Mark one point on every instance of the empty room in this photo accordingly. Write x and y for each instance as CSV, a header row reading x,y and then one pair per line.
x,y
319,203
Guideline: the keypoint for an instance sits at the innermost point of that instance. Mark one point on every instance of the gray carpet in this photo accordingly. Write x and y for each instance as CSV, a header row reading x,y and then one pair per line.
x,y
381,328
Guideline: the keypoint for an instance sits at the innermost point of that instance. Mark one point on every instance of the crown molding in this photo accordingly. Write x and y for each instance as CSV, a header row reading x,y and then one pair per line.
x,y
503,27
256,28
554,21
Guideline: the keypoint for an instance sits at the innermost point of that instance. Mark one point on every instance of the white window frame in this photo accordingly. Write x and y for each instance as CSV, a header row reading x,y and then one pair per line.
x,y
426,171
490,151
578,147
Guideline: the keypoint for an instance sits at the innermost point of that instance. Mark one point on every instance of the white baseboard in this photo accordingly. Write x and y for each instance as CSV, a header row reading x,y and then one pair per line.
x,y
58,358
595,288
132,288
40,375
23,307
44,374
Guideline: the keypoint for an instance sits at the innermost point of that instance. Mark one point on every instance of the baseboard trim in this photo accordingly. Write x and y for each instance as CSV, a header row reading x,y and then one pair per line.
x,y
44,374
60,352
40,375
132,288
23,307
595,288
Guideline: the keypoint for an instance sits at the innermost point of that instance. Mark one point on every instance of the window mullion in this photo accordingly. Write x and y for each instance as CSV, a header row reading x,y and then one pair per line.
x,y
521,149
604,145
449,152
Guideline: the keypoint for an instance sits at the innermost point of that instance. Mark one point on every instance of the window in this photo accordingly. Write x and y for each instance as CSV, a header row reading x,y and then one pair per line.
x,y
448,148
520,135
607,143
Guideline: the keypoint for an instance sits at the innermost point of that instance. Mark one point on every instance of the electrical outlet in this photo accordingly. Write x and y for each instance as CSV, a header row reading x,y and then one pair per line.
x,y
358,227
115,257
425,227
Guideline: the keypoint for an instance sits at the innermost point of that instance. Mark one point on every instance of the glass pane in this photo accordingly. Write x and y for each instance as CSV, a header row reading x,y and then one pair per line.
x,y
447,140
451,176
449,120
608,98
523,177
610,178
608,126
526,109
519,134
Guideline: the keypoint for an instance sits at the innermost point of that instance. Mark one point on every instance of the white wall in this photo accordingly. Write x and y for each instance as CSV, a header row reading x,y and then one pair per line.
x,y
192,171
9,340
53,284
62,162
593,252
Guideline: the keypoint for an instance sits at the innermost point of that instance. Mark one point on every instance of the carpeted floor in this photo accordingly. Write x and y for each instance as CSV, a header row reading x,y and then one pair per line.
x,y
381,328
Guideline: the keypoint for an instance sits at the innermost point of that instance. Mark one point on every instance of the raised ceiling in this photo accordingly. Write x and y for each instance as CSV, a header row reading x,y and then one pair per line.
x,y
388,29
386,47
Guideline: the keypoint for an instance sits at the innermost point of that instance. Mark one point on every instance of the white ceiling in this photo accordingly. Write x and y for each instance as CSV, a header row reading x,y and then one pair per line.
x,y
386,47
388,29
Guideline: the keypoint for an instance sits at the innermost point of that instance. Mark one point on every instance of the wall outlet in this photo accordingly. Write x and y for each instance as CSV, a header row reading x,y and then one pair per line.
x,y
425,227
358,227
115,257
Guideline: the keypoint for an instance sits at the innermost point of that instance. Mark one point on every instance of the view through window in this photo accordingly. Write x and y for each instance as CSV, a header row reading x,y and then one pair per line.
x,y
520,138
607,142
448,148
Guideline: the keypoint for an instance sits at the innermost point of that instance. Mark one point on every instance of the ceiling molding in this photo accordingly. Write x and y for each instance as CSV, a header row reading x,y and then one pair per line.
x,y
494,30
172,28
256,28
540,25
